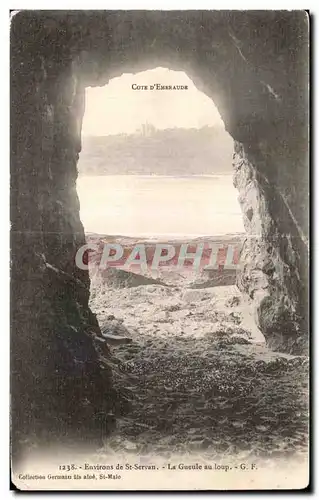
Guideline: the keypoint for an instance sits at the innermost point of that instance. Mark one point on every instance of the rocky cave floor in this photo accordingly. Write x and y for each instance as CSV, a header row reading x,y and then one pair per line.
x,y
198,378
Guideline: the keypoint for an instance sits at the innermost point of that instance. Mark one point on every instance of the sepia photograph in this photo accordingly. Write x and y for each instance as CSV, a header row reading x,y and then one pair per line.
x,y
159,305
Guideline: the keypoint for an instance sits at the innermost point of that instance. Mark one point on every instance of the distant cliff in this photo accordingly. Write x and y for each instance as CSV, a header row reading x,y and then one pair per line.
x,y
160,152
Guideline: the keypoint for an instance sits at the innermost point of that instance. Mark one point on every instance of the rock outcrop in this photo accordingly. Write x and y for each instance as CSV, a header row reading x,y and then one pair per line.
x,y
119,278
273,261
254,66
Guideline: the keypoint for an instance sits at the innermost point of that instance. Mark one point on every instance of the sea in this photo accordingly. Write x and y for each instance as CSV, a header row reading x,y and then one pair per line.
x,y
153,206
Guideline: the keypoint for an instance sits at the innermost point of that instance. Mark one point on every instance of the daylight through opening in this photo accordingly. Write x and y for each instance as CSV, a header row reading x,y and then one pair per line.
x,y
158,205
156,164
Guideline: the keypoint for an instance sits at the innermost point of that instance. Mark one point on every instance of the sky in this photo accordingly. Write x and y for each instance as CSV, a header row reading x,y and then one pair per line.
x,y
116,108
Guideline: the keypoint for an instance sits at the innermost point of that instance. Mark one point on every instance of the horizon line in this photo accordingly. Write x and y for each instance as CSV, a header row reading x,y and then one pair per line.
x,y
137,132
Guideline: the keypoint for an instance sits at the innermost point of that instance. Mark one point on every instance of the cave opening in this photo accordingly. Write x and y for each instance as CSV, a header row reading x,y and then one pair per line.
x,y
157,199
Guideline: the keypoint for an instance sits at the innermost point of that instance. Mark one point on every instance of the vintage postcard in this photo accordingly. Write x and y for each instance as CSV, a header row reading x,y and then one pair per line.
x,y
159,250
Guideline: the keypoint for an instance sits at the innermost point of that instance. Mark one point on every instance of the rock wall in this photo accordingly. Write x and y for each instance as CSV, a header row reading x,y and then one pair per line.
x,y
57,381
254,66
273,259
